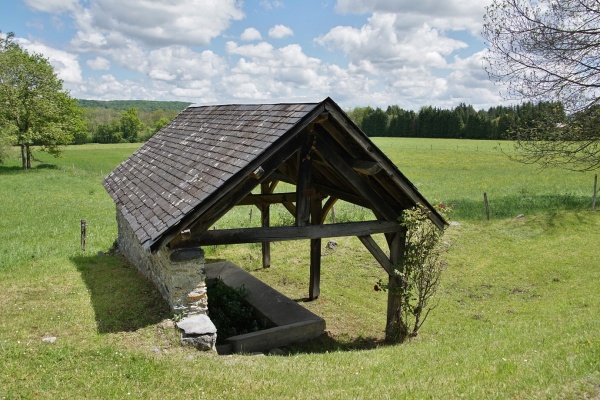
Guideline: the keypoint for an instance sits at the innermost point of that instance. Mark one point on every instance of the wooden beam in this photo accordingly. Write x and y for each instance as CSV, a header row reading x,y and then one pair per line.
x,y
341,195
337,118
377,252
291,207
331,151
328,207
267,198
284,233
236,194
366,167
280,176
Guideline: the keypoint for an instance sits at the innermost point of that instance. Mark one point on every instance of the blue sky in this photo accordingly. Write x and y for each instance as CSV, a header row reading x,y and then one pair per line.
x,y
358,52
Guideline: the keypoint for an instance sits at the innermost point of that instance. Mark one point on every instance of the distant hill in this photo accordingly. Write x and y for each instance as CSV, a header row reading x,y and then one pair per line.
x,y
141,105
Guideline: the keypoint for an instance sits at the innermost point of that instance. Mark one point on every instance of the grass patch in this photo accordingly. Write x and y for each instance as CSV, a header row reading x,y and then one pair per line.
x,y
519,314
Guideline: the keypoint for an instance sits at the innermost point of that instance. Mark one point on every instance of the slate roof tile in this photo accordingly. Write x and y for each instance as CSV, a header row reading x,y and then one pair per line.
x,y
191,158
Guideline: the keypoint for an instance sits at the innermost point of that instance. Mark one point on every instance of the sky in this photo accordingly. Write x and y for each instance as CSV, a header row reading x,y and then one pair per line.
x,y
358,52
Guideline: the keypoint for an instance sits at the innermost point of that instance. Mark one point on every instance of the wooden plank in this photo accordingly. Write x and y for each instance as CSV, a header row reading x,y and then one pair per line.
x,y
284,233
377,252
331,152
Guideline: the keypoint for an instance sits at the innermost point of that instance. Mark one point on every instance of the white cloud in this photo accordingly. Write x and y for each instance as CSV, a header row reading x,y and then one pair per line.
x,y
52,6
379,46
184,64
250,34
260,50
270,4
66,65
280,31
99,64
153,23
194,90
469,82
448,14
107,88
264,72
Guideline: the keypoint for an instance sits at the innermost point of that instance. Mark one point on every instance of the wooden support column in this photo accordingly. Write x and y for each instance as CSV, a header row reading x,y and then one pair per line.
x,y
303,186
395,329
308,210
314,289
265,222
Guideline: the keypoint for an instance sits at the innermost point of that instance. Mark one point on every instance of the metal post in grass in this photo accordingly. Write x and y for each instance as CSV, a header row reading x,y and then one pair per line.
x,y
595,192
487,206
83,233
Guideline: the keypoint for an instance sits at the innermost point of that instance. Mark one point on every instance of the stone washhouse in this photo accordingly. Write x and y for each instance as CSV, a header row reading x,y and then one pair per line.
x,y
171,191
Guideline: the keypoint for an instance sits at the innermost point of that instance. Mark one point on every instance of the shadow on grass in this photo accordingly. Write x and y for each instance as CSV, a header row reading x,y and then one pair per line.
x,y
15,169
501,207
8,170
46,166
123,299
326,343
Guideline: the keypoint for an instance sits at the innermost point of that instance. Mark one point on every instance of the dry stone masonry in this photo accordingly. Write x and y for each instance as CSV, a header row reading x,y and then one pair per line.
x,y
181,279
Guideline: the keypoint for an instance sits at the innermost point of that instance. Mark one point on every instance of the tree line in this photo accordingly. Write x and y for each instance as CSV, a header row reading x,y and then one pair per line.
x,y
125,121
461,122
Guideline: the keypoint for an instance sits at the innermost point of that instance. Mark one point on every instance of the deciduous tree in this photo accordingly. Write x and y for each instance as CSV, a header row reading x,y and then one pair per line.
x,y
549,51
35,110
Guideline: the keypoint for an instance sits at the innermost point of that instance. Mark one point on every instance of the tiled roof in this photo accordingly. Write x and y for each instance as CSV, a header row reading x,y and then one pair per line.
x,y
191,158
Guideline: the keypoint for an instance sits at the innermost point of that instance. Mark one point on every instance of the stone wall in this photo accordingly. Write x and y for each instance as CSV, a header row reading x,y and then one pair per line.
x,y
178,275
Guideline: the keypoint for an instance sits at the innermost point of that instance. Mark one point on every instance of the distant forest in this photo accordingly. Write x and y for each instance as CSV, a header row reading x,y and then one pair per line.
x,y
461,122
119,121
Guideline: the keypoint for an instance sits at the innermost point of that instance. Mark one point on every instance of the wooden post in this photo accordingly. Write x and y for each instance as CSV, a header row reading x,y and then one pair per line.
x,y
303,190
396,329
265,218
83,233
487,205
594,197
314,288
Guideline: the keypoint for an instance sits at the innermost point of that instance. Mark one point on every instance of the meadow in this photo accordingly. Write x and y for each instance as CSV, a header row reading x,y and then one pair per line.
x,y
518,317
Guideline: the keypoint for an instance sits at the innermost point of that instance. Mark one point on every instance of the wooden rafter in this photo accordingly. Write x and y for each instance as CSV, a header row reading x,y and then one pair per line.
x,y
330,151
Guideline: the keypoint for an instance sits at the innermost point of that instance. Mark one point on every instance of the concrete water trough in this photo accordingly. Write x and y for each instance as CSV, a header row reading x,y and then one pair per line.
x,y
293,323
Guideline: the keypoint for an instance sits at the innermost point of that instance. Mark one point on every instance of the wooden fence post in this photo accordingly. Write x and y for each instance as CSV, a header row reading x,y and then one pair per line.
x,y
83,233
594,197
487,206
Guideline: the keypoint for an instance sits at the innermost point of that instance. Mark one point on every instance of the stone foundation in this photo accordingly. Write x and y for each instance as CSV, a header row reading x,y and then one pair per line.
x,y
179,275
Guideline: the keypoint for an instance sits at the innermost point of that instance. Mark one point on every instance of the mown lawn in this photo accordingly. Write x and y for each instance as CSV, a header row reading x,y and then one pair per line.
x,y
519,312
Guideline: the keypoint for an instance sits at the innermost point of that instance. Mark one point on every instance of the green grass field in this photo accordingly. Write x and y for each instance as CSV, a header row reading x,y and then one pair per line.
x,y
519,312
